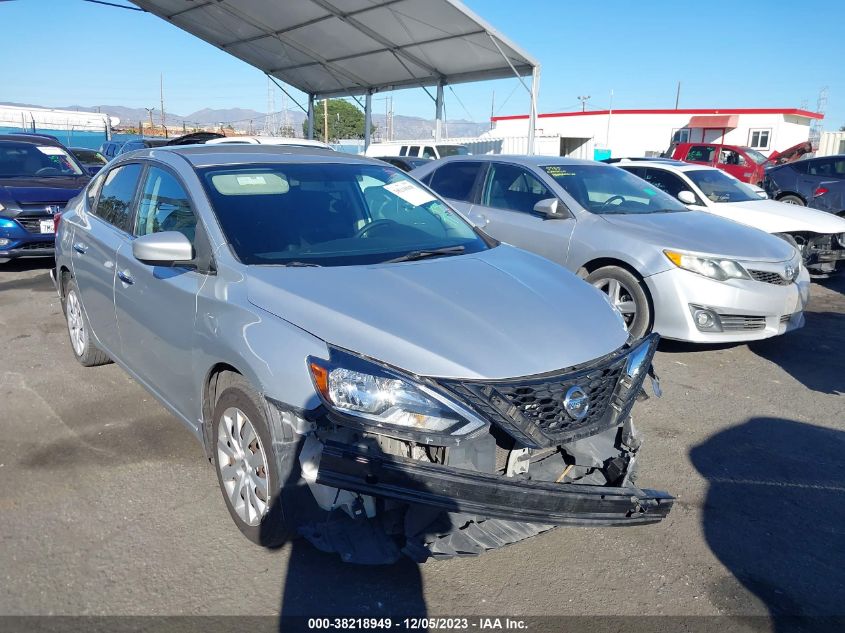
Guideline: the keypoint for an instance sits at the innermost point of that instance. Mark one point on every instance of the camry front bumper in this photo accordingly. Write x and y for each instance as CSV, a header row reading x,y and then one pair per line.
x,y
457,490
751,310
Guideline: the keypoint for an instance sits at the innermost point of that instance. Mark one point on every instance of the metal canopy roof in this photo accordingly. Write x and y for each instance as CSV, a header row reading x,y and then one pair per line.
x,y
331,48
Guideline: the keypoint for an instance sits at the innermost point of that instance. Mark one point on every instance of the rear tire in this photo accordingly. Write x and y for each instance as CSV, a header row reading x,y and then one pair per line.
x,y
790,199
627,295
84,349
263,490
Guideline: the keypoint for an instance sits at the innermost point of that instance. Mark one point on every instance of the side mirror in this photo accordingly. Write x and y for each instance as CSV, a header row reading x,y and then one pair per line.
x,y
549,208
687,197
163,249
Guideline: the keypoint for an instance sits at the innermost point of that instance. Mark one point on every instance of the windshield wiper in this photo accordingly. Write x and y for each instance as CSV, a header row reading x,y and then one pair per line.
x,y
302,265
430,252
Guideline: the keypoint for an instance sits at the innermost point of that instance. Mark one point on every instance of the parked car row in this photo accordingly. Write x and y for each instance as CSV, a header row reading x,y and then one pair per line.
x,y
392,364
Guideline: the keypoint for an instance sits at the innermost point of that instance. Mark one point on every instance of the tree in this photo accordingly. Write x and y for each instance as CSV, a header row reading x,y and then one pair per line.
x,y
345,121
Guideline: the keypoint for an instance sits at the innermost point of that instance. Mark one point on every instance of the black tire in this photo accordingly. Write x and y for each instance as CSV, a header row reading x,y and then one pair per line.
x,y
638,324
288,498
84,349
791,199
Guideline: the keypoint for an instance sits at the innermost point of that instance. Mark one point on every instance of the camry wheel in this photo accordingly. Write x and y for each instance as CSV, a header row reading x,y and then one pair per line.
x,y
260,480
626,295
84,349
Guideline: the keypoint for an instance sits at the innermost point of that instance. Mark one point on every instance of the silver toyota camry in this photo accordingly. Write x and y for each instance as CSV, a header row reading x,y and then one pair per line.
x,y
362,366
684,274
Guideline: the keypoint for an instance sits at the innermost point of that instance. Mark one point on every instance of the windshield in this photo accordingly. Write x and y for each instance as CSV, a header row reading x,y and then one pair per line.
x,y
331,214
25,160
452,150
756,156
90,156
607,190
720,187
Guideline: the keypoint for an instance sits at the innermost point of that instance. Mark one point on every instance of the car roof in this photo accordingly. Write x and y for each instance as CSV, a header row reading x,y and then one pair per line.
x,y
266,140
670,166
32,139
208,155
519,159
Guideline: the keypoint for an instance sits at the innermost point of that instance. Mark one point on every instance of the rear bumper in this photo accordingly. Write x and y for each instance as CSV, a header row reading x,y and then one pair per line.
x,y
455,490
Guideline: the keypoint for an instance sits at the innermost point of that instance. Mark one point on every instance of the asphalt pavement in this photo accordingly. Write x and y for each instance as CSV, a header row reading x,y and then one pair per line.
x,y
107,505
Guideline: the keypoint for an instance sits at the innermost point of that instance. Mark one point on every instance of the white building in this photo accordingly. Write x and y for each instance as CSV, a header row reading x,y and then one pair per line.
x,y
831,143
650,132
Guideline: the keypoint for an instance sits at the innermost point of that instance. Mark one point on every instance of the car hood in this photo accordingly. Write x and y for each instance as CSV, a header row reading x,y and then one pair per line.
x,y
29,191
702,233
778,217
500,313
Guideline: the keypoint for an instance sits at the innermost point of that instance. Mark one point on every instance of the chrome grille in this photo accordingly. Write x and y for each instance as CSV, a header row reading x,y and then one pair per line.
x,y
32,224
768,277
785,318
742,322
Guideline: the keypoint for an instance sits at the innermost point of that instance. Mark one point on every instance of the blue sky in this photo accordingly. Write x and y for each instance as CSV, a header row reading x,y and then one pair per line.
x,y
774,53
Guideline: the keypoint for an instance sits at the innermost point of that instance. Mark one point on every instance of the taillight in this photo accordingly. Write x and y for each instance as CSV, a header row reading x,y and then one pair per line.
x,y
820,192
56,219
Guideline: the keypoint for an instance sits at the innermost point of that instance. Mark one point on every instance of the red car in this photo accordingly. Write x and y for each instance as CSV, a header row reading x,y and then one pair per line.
x,y
741,162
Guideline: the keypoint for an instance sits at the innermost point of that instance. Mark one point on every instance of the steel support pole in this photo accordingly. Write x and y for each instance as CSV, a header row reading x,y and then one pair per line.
x,y
368,116
438,113
532,117
311,116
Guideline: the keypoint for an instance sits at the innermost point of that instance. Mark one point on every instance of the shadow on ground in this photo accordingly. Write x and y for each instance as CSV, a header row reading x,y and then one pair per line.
x,y
774,516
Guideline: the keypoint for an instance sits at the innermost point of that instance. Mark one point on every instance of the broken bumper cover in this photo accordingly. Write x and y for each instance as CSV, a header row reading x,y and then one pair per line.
x,y
454,490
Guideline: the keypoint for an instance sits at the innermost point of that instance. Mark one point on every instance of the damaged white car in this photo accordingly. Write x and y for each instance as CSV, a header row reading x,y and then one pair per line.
x,y
363,367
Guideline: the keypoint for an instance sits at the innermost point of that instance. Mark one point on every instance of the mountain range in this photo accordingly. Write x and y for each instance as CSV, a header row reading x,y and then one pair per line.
x,y
244,120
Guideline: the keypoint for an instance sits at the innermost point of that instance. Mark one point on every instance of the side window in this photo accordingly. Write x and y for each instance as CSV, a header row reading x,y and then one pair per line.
x,y
414,150
821,167
455,180
164,206
93,190
667,182
428,152
639,172
839,168
701,154
403,151
114,205
514,188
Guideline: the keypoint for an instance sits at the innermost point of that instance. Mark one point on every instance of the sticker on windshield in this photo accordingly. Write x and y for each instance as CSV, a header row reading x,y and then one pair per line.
x,y
50,151
649,191
556,171
409,192
251,180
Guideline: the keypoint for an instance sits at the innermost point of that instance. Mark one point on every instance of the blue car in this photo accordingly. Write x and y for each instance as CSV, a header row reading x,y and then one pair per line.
x,y
38,176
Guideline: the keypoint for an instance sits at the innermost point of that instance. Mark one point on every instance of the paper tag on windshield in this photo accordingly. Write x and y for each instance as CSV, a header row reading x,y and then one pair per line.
x,y
251,180
409,192
51,151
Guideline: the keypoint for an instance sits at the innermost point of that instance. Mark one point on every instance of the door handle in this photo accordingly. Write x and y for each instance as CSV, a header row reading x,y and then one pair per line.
x,y
80,248
126,277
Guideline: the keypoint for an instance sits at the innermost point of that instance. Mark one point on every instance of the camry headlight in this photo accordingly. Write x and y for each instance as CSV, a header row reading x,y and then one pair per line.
x,y
380,396
714,267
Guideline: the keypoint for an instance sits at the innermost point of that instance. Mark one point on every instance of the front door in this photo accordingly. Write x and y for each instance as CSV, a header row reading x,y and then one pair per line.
x,y
507,201
156,305
96,243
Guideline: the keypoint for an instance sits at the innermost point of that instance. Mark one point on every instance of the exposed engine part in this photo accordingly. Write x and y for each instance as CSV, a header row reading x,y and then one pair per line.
x,y
518,461
328,498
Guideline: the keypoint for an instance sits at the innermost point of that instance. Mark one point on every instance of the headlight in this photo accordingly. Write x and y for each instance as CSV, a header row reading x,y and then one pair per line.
x,y
713,267
842,239
380,396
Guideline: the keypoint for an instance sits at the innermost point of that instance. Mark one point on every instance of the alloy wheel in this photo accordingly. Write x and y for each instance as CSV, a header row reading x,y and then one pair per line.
x,y
75,323
243,466
621,298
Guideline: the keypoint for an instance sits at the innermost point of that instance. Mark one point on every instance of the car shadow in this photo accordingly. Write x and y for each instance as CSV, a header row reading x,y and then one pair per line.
x,y
815,360
320,585
25,264
774,515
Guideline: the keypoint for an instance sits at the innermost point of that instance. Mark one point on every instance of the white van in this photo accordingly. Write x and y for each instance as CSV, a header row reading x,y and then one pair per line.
x,y
422,149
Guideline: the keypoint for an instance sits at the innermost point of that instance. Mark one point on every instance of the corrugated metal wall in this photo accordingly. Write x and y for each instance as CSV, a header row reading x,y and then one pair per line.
x,y
544,145
831,143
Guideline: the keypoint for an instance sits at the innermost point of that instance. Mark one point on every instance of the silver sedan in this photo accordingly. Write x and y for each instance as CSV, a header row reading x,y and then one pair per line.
x,y
687,275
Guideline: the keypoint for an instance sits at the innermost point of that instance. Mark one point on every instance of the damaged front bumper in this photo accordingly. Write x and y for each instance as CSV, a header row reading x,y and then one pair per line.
x,y
456,490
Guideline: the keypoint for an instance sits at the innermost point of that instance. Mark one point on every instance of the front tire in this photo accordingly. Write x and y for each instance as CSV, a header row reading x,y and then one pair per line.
x,y
84,349
627,296
263,491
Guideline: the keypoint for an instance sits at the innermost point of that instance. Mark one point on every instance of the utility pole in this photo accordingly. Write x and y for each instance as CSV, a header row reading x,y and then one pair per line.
x,y
583,100
161,95
325,121
150,112
492,108
678,95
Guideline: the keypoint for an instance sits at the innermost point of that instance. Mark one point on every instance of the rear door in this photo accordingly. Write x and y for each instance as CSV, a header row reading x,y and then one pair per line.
x,y
508,196
95,246
821,181
156,305
736,164
457,181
